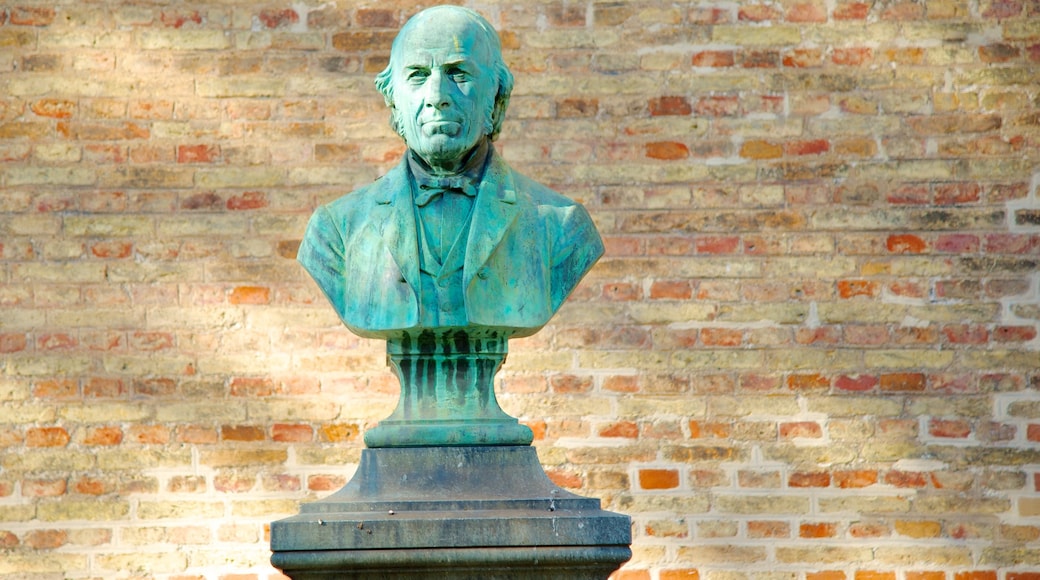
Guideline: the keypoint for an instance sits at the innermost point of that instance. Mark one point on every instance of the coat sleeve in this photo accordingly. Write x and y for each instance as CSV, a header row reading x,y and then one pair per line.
x,y
576,248
322,254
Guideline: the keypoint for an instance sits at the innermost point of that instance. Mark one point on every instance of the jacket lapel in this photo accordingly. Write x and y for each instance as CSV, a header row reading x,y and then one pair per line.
x,y
395,217
494,211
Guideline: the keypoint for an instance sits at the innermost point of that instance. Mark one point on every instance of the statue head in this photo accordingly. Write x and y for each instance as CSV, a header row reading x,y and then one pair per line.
x,y
447,85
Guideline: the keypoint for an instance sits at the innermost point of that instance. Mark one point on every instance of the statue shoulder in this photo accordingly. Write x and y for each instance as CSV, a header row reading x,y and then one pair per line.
x,y
540,194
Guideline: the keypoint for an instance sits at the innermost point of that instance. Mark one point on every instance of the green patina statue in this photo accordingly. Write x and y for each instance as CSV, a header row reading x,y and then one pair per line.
x,y
452,252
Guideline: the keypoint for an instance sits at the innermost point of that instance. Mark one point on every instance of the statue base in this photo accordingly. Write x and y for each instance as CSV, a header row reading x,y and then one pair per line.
x,y
467,512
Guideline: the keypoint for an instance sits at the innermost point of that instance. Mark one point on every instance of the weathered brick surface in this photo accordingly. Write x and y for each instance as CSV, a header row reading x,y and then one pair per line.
x,y
810,352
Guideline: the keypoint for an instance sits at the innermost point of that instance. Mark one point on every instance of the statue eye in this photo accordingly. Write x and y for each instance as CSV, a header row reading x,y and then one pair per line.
x,y
457,74
417,75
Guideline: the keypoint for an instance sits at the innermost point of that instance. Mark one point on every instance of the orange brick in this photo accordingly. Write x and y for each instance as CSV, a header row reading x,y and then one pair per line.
x,y
658,479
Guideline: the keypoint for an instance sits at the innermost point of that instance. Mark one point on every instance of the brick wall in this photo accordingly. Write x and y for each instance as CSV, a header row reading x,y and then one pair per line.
x,y
810,353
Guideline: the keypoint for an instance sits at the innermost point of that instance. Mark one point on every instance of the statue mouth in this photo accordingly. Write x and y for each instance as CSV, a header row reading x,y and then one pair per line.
x,y
442,127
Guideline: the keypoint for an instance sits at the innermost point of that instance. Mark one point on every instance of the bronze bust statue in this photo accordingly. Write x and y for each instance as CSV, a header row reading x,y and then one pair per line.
x,y
452,252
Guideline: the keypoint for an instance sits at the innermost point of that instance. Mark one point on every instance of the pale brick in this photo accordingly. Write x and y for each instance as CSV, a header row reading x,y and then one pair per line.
x,y
137,459
907,359
880,504
17,564
241,87
150,562
91,510
240,177
775,35
749,505
823,555
58,176
172,39
190,510
105,412
201,411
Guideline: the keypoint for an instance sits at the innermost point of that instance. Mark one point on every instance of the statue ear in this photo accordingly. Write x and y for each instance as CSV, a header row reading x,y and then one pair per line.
x,y
395,120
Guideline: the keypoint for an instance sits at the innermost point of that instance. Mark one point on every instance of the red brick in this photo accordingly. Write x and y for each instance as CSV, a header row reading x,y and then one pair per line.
x,y
873,575
680,574
565,479
148,434
724,337
662,290
658,479
809,479
768,529
853,288
291,433
951,429
911,479
31,15
570,384
247,200
338,432
112,249
855,478
976,575
801,429
46,437
242,433
825,575
802,58
56,389
250,295
817,530
1001,9
808,382
667,150
625,429
760,59
577,108
273,18
197,153
45,539
913,575
851,11
621,384
957,243
717,244
56,341
1006,334
43,487
234,482
197,434
902,382
905,244
376,18
957,193
662,106
99,387
709,429
856,56
103,436
325,482
718,106
177,19
622,292
714,58
856,383
812,147
806,12
966,334
90,486
54,108
759,149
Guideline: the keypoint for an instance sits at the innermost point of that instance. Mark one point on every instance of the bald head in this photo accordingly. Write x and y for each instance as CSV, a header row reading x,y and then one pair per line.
x,y
428,48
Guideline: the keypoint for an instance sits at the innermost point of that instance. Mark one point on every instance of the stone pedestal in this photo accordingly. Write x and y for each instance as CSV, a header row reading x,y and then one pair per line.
x,y
465,512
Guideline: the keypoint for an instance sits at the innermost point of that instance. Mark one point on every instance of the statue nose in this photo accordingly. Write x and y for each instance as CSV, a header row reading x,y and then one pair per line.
x,y
437,91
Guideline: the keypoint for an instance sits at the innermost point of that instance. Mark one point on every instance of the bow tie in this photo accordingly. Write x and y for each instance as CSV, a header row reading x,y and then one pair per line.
x,y
430,187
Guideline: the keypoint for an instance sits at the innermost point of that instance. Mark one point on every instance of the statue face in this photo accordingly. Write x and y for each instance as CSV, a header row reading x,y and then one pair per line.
x,y
444,90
